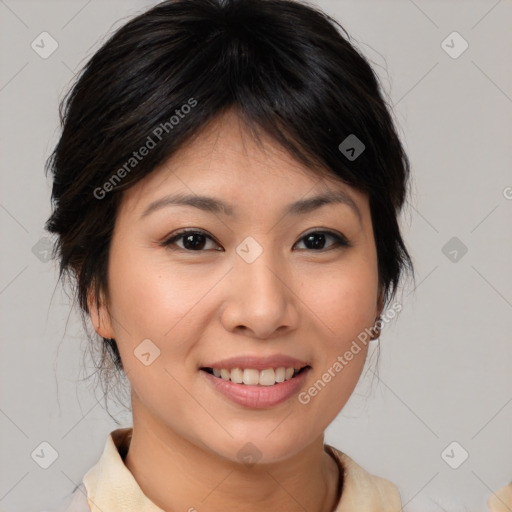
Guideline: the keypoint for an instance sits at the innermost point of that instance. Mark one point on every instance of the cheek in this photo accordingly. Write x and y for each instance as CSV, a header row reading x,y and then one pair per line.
x,y
148,297
344,299
152,301
344,305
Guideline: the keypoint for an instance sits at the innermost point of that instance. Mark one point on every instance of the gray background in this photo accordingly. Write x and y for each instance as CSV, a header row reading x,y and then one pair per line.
x,y
445,363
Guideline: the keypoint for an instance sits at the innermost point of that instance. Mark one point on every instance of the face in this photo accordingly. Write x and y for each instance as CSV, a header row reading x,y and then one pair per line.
x,y
253,286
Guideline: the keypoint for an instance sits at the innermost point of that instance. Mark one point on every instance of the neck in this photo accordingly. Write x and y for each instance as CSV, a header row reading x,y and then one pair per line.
x,y
178,475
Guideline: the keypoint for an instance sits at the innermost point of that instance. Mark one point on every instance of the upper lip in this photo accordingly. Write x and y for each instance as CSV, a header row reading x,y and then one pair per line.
x,y
258,363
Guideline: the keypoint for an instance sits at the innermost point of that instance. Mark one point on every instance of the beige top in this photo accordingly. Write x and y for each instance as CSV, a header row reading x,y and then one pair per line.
x,y
109,486
501,500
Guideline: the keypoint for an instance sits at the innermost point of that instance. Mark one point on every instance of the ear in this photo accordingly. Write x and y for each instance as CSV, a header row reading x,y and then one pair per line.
x,y
380,301
100,316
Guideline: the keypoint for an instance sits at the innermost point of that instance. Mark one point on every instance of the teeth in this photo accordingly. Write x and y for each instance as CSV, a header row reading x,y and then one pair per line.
x,y
267,377
237,376
253,377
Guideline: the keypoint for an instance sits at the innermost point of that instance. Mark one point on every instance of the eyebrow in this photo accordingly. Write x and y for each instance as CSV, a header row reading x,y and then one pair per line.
x,y
217,206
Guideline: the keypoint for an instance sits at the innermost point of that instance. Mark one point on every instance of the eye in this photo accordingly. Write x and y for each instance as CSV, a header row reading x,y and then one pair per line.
x,y
316,240
193,240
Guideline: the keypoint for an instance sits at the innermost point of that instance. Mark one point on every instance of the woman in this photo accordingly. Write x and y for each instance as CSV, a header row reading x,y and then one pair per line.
x,y
226,192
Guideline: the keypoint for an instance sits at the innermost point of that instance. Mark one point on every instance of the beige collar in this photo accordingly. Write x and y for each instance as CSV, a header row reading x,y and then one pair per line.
x,y
501,500
111,486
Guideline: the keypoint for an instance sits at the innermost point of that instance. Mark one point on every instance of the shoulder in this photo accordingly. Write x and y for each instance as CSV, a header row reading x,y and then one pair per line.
x,y
501,500
362,490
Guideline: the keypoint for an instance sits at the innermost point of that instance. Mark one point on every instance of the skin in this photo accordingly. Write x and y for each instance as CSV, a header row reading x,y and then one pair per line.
x,y
205,305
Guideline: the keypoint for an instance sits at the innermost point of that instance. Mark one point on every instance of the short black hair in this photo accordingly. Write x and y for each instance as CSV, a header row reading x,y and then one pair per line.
x,y
288,69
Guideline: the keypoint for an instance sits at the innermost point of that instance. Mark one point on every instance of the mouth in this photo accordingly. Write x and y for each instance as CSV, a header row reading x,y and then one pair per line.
x,y
254,377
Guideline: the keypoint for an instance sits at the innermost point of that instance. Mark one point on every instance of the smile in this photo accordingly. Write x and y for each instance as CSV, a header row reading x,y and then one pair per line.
x,y
258,389
254,377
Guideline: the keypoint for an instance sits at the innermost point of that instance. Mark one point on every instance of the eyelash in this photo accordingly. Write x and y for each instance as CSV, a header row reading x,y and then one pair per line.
x,y
339,240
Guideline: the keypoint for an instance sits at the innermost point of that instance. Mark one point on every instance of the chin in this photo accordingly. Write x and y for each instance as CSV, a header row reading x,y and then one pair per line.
x,y
260,447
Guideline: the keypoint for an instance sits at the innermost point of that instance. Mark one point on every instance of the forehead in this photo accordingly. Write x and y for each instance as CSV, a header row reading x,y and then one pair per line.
x,y
224,160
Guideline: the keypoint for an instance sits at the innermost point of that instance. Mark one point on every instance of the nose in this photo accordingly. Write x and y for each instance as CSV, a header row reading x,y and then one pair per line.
x,y
261,300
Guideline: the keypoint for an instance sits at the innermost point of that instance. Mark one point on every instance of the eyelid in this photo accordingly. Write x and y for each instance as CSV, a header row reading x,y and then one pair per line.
x,y
327,231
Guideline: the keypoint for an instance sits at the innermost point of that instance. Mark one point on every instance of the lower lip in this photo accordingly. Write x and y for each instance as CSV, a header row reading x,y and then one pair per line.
x,y
257,397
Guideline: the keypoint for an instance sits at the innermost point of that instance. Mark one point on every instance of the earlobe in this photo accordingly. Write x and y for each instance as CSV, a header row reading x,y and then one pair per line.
x,y
380,301
100,316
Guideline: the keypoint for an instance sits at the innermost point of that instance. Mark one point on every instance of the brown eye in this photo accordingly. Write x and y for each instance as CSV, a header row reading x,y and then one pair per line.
x,y
316,240
193,240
